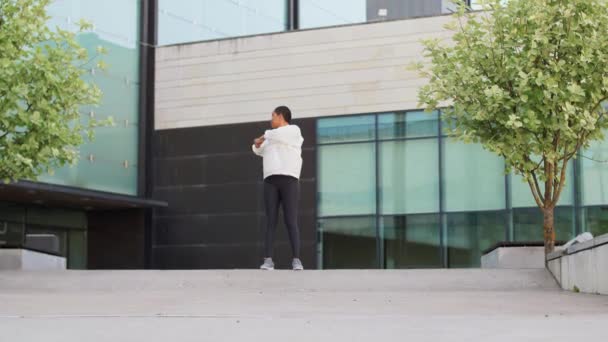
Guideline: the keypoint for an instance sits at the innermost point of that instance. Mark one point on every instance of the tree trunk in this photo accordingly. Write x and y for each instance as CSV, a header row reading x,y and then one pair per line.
x,y
549,229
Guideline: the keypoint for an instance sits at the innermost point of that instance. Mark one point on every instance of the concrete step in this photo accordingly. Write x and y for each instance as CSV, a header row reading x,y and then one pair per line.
x,y
253,280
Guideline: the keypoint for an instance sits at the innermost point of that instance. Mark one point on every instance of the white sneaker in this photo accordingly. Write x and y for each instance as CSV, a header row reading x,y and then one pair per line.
x,y
297,265
268,264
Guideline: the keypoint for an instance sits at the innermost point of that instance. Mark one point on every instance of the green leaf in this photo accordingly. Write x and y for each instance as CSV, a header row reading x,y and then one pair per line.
x,y
42,91
84,25
524,79
102,50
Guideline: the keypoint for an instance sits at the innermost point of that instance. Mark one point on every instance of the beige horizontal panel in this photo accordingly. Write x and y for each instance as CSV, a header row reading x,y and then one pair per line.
x,y
300,38
279,80
286,95
354,76
288,66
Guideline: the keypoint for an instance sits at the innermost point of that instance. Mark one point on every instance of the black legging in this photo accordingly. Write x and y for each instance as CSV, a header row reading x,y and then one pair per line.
x,y
282,190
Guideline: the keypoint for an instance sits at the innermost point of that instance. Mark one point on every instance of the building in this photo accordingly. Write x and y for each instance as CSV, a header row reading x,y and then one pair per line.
x,y
97,214
382,186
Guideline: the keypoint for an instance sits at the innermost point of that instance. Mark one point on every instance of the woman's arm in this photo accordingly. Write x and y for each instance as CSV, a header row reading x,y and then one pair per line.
x,y
258,146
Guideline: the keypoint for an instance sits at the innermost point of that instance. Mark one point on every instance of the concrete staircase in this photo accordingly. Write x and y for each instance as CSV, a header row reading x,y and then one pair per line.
x,y
251,305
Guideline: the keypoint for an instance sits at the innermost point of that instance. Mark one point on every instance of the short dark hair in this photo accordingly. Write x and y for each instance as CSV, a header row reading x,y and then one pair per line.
x,y
284,112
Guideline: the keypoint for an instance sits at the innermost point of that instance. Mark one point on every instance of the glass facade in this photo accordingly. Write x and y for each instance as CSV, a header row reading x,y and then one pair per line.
x,y
317,13
596,220
409,177
411,241
526,223
109,163
522,195
348,178
187,21
595,173
474,178
469,233
348,242
195,20
395,193
593,166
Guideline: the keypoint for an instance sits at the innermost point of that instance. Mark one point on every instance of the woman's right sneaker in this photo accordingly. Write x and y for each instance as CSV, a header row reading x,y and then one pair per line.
x,y
268,264
297,265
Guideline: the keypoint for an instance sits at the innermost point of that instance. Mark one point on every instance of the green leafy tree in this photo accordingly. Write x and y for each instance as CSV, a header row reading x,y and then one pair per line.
x,y
526,79
41,91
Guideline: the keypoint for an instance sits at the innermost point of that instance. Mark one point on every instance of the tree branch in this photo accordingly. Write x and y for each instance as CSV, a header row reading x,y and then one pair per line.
x,y
537,188
536,195
534,186
89,61
549,174
598,104
560,185
537,165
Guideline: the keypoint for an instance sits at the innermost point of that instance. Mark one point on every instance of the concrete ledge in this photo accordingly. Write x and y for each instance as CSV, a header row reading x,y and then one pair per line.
x,y
582,267
516,257
555,255
601,240
27,260
579,247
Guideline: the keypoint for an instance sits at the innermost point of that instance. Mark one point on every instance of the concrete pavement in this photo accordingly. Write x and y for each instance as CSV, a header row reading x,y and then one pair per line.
x,y
426,305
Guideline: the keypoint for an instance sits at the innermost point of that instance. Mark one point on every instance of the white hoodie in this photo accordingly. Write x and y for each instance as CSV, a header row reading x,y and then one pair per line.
x,y
282,151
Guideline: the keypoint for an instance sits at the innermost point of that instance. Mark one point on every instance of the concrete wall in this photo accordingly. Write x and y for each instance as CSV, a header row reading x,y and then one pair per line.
x,y
26,260
320,72
514,257
583,266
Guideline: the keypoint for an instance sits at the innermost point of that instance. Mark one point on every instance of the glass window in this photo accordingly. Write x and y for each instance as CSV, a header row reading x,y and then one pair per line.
x,y
100,174
411,241
12,218
528,224
116,27
409,176
474,178
522,195
348,242
469,234
596,220
347,129
595,173
408,125
317,13
195,20
347,179
11,234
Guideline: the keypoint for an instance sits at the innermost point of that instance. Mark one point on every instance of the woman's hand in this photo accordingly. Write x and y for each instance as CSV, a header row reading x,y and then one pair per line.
x,y
258,141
